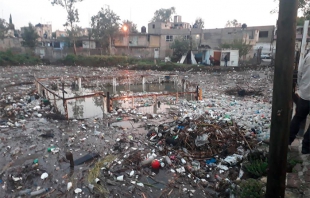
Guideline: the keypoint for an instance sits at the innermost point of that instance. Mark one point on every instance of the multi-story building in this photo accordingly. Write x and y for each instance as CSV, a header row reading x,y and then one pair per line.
x,y
44,31
258,36
61,33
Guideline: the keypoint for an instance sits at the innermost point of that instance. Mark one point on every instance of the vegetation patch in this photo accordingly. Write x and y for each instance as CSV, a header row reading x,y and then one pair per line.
x,y
256,164
251,188
8,58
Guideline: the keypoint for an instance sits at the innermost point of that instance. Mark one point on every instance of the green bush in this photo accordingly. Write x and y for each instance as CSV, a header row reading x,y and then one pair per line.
x,y
8,58
256,165
97,60
257,168
251,188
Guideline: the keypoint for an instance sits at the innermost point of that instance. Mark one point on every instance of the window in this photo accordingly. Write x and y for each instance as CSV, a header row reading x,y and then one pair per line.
x,y
169,38
56,44
153,26
263,34
186,37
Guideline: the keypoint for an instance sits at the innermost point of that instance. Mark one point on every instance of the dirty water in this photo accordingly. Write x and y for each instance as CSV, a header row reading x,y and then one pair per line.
x,y
84,108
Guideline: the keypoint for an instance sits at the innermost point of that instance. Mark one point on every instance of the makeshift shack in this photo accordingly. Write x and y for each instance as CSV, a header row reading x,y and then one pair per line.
x,y
233,58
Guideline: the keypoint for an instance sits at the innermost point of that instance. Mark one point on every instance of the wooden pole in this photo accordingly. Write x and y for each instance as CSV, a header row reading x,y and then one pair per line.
x,y
281,102
108,102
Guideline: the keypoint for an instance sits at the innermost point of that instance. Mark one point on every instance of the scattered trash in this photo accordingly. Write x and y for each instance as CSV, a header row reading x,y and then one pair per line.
x,y
77,190
181,143
156,164
69,186
44,176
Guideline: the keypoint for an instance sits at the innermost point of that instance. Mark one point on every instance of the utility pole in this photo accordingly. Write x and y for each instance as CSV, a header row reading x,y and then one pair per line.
x,y
190,45
282,97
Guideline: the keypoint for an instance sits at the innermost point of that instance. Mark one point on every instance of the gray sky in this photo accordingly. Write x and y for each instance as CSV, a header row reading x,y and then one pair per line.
x,y
214,12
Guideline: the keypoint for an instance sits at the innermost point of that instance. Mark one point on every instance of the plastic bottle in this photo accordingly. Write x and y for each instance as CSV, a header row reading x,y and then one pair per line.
x,y
38,192
49,149
147,161
168,160
25,192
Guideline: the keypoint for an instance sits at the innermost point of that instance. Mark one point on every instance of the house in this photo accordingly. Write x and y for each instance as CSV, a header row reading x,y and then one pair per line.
x,y
61,33
137,44
299,33
44,31
209,38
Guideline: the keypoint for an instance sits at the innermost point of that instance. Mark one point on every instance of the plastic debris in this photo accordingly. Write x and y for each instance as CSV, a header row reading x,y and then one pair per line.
x,y
44,176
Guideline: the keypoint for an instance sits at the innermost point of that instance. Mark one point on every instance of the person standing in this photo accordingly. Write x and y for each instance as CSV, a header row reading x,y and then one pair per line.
x,y
303,105
226,60
211,60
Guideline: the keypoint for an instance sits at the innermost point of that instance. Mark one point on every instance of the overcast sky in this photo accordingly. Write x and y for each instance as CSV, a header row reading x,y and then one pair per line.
x,y
214,12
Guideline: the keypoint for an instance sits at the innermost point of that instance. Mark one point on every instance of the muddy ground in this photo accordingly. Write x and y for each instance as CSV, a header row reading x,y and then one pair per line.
x,y
33,144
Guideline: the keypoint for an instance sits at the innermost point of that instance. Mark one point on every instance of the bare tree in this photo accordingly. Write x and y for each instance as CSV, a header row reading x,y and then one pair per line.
x,y
72,17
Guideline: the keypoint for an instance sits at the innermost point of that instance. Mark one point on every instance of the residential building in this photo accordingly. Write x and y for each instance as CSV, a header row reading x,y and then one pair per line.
x,y
44,31
137,44
258,36
61,33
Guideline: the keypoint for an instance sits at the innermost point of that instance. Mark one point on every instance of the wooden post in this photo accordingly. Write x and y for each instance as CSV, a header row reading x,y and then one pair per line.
x,y
281,102
108,102
66,109
63,93
197,93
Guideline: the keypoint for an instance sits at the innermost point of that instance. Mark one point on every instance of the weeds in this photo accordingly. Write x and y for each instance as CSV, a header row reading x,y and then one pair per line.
x,y
8,58
251,188
95,172
257,164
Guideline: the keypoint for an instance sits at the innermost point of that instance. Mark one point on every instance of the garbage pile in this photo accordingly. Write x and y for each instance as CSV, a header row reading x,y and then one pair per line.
x,y
185,157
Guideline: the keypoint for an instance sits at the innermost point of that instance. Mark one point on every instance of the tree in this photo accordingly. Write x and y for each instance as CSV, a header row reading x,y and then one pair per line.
x,y
104,27
30,36
180,47
3,28
244,26
238,44
233,23
301,20
199,23
163,15
72,16
73,33
131,26
11,21
303,6
90,36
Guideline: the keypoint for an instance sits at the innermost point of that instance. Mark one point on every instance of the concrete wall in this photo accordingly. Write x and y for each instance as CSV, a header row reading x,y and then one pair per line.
x,y
212,38
9,43
270,29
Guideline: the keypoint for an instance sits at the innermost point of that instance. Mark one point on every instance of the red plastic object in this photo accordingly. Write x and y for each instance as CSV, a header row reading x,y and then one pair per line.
x,y
155,164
